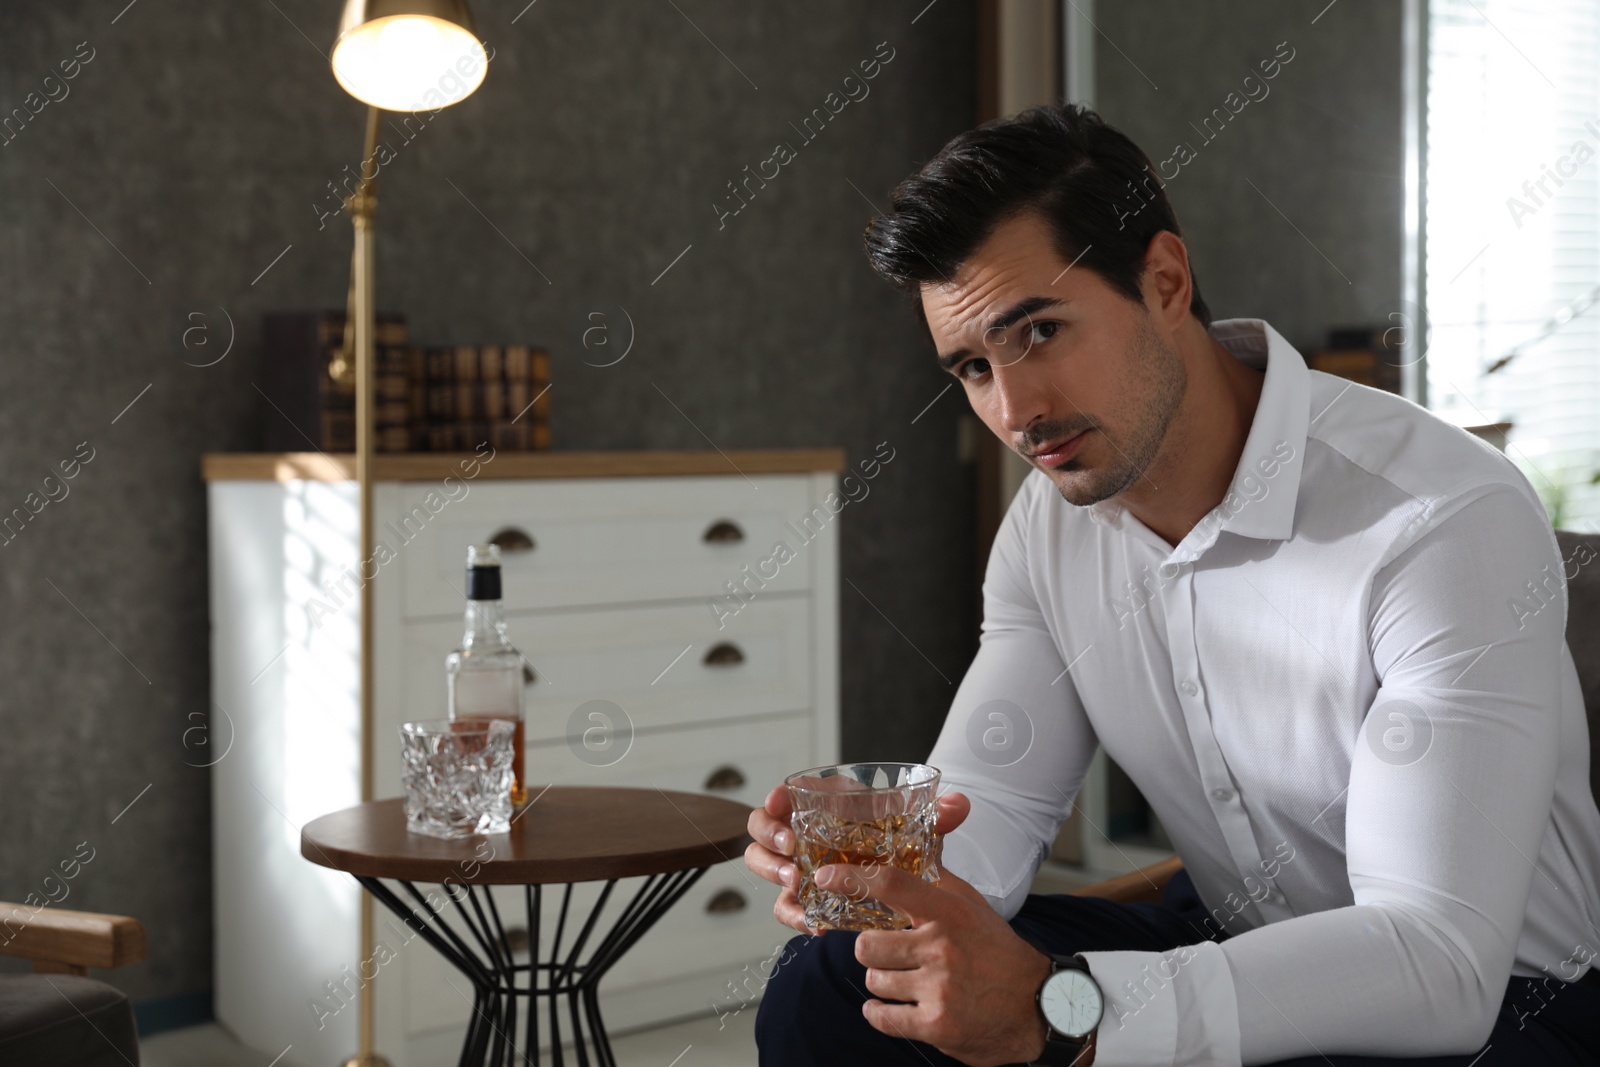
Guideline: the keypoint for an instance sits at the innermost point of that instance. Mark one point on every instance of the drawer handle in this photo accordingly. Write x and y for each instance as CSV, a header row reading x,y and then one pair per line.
x,y
725,777
723,654
726,902
528,677
510,539
517,939
723,532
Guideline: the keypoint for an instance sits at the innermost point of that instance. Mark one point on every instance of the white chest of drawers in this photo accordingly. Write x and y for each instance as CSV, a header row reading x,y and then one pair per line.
x,y
635,679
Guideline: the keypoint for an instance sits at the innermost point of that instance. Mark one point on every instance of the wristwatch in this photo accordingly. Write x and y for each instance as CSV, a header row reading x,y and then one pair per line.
x,y
1071,1002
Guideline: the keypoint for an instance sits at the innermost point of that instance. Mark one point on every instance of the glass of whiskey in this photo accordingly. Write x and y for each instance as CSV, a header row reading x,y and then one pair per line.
x,y
457,776
865,814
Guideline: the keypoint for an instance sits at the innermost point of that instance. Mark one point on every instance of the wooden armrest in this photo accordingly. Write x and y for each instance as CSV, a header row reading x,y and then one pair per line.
x,y
58,940
1143,886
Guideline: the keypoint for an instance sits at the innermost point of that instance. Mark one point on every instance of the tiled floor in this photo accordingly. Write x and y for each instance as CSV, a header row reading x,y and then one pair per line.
x,y
700,1042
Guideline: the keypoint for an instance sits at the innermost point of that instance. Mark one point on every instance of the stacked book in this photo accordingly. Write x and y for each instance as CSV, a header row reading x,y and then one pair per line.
x,y
465,395
425,399
308,409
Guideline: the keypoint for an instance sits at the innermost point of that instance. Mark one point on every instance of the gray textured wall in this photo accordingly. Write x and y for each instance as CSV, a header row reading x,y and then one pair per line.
x,y
189,152
1322,149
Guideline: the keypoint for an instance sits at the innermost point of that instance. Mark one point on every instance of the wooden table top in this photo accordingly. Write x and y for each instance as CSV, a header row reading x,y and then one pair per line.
x,y
568,834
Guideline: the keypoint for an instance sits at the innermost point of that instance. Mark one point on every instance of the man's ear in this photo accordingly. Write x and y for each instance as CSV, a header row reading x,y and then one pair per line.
x,y
1166,283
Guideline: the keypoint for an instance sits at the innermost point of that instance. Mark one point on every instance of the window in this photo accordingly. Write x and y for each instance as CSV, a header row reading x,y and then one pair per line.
x,y
1512,213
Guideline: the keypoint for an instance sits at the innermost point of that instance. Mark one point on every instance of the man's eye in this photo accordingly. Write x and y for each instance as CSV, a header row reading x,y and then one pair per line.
x,y
981,366
1042,331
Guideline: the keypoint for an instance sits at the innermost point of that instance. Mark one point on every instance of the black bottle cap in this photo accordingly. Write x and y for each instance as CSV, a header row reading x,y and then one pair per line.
x,y
483,583
483,572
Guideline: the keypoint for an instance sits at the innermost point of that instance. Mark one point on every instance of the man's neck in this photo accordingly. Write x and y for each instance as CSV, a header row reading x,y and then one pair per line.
x,y
1197,460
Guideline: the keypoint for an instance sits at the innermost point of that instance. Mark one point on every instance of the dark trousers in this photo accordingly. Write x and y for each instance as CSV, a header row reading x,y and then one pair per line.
x,y
810,1012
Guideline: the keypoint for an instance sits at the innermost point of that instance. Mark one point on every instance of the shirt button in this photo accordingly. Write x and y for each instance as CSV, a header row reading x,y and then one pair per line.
x,y
1189,688
1169,570
1222,794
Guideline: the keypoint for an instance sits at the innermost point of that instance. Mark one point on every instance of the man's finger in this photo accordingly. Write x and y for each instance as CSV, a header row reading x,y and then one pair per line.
x,y
953,811
888,885
790,914
778,804
763,862
889,950
893,985
896,1020
769,831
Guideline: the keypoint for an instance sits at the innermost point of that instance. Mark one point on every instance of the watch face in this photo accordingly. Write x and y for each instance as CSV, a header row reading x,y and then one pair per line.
x,y
1072,1003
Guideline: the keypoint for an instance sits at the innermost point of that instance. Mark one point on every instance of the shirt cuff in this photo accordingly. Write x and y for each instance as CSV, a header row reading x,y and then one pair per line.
x,y
1166,1009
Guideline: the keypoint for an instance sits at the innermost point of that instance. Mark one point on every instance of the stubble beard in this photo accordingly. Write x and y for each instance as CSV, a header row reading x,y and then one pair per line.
x,y
1153,394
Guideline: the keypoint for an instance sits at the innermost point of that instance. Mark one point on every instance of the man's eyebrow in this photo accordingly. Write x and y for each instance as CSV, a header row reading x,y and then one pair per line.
x,y
1004,320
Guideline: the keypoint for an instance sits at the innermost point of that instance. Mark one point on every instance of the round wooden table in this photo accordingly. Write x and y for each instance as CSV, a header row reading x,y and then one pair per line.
x,y
568,834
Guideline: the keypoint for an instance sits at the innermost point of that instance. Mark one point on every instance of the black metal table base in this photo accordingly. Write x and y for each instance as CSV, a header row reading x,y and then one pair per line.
x,y
504,990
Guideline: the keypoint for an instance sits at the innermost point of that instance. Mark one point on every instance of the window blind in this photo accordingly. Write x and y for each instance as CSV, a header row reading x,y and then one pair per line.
x,y
1512,210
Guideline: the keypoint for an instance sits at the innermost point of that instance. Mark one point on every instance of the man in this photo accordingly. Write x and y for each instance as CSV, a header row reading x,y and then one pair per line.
x,y
1321,630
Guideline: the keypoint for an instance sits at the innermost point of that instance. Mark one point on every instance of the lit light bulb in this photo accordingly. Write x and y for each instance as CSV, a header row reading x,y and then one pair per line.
x,y
409,63
410,42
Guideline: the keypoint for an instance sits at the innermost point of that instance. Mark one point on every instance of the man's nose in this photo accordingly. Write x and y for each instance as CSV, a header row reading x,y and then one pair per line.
x,y
1021,395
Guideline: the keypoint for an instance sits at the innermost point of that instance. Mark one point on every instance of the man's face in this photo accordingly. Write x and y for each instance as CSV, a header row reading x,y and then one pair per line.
x,y
1067,371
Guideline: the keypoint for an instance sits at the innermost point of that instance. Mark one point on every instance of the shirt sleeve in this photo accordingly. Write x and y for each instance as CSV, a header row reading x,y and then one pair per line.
x,y
1450,788
1016,740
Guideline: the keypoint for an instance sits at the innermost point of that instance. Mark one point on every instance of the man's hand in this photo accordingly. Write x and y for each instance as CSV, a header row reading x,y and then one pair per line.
x,y
768,854
969,978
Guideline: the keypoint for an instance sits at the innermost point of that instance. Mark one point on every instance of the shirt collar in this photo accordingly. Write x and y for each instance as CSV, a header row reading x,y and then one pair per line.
x,y
1261,498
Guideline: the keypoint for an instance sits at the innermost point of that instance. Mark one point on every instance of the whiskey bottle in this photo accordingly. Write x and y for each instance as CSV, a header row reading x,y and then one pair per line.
x,y
484,676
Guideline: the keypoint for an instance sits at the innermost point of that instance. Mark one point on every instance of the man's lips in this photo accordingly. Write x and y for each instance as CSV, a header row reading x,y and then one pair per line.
x,y
1059,451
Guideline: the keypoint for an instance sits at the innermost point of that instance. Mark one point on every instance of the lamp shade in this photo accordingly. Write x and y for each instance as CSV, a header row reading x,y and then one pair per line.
x,y
408,55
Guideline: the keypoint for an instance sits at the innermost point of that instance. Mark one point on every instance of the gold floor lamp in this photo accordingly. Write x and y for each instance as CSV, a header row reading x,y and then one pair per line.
x,y
393,55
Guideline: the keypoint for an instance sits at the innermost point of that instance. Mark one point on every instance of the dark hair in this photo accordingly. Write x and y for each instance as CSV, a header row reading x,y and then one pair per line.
x,y
1096,188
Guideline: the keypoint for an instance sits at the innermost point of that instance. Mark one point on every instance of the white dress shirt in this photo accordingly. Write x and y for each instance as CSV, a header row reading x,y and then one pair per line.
x,y
1347,696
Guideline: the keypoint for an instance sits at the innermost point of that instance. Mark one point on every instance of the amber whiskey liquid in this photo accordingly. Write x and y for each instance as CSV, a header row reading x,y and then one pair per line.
x,y
821,838
519,787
